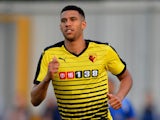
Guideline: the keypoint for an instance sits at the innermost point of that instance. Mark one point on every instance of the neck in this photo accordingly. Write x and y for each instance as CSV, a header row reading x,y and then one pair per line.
x,y
75,47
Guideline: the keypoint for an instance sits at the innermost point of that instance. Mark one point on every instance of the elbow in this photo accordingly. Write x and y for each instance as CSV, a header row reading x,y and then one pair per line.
x,y
35,101
35,104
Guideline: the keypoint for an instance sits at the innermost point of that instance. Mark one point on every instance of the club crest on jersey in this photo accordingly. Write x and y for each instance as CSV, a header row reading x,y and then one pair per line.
x,y
92,58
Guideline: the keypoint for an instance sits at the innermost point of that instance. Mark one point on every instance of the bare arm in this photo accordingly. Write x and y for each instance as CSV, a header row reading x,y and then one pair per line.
x,y
125,85
38,92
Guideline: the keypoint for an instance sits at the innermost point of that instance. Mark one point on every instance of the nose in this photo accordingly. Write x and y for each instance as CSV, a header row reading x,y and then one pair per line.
x,y
68,23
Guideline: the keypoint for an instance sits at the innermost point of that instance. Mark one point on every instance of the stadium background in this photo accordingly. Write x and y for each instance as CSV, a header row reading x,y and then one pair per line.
x,y
26,28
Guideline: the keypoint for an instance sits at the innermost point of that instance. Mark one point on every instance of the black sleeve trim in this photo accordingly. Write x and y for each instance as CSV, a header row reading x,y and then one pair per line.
x,y
123,69
36,82
121,61
59,44
98,42
38,70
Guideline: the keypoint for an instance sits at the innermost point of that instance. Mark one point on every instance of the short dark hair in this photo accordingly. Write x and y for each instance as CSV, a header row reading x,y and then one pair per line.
x,y
73,7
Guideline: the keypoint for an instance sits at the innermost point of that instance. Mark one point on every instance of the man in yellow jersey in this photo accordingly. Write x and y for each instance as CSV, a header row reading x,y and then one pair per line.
x,y
77,69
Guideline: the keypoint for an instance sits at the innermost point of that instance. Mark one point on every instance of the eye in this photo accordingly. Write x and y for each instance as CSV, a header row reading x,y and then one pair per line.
x,y
63,20
73,18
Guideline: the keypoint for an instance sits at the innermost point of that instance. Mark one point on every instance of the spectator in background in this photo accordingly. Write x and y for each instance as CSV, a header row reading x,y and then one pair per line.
x,y
149,111
51,110
19,110
127,111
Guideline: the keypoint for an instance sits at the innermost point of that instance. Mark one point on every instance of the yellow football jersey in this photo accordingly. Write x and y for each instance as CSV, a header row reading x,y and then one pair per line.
x,y
81,83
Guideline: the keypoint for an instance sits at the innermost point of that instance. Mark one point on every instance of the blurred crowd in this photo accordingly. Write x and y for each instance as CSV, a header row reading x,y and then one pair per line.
x,y
20,110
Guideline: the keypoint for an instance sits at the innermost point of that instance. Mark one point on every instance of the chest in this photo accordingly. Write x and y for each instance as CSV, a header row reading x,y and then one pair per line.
x,y
87,65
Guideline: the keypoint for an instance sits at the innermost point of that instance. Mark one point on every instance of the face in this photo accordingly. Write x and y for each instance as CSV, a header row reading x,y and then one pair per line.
x,y
72,25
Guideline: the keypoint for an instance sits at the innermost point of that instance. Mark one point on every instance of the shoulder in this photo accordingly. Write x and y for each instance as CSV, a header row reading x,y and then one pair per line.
x,y
58,44
103,46
97,42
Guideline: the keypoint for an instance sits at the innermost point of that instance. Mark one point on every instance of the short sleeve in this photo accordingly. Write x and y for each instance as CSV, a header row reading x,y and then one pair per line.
x,y
42,68
115,64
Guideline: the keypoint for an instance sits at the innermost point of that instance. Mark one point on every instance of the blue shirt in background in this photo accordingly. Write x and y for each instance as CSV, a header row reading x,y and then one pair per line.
x,y
125,112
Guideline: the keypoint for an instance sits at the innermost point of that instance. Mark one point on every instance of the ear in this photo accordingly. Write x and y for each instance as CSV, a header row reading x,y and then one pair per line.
x,y
84,24
60,27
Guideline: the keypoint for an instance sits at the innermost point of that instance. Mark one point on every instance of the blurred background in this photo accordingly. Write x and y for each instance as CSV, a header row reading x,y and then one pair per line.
x,y
132,27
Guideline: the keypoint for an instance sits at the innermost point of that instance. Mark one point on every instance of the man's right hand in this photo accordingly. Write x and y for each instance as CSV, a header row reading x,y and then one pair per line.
x,y
53,68
39,91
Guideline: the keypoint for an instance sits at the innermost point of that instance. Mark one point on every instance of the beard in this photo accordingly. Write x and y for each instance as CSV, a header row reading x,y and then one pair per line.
x,y
72,37
69,38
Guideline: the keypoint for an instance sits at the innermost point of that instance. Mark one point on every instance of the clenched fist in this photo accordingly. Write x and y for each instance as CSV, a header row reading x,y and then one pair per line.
x,y
53,67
